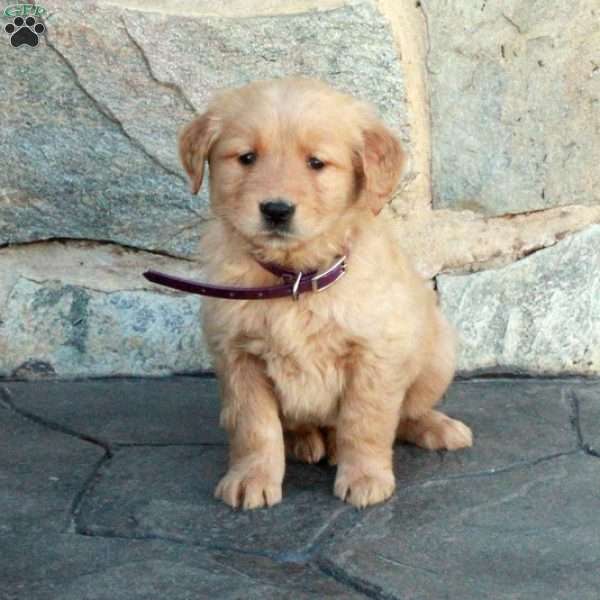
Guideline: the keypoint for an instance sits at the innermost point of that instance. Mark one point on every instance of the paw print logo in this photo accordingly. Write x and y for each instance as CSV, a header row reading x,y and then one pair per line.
x,y
24,31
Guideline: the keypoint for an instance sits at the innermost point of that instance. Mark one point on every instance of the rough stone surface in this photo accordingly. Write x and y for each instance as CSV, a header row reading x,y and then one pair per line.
x,y
540,314
41,473
521,534
72,567
75,171
515,93
169,493
82,309
131,515
55,328
350,47
184,410
96,150
538,414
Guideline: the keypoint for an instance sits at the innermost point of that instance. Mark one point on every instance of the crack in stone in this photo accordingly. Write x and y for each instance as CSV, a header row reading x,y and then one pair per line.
x,y
44,282
169,85
574,418
7,400
86,489
99,242
106,112
493,471
576,423
302,556
509,20
393,561
359,585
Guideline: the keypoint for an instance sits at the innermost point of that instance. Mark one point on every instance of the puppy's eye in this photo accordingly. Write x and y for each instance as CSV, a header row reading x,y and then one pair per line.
x,y
315,163
247,159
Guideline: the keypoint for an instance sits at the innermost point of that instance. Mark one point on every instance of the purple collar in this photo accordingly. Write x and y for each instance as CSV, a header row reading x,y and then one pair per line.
x,y
293,284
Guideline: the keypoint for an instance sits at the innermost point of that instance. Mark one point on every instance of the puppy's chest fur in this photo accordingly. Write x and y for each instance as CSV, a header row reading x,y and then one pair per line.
x,y
306,354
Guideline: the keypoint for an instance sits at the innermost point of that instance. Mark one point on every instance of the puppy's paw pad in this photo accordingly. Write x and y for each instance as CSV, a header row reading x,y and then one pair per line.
x,y
248,490
366,489
306,446
446,434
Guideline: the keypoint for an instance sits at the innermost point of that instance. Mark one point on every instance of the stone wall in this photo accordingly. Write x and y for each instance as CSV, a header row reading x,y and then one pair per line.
x,y
497,102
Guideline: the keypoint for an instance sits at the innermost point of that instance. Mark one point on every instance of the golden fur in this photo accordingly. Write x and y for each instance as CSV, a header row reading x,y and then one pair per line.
x,y
343,372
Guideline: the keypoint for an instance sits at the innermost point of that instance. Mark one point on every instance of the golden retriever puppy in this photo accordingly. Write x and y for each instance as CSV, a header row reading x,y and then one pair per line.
x,y
298,174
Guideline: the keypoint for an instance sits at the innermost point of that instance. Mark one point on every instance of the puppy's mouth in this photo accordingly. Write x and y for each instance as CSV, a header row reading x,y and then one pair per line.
x,y
276,234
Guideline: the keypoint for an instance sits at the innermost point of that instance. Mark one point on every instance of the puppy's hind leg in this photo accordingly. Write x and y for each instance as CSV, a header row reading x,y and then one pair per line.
x,y
420,424
306,444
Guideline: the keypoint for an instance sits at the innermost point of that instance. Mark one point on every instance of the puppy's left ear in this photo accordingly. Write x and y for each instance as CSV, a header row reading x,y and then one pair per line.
x,y
381,162
195,142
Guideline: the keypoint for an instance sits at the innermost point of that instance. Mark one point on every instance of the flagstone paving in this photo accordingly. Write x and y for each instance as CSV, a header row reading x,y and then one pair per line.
x,y
106,493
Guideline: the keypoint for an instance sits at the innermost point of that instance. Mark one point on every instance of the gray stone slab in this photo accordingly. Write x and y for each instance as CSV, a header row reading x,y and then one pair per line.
x,y
588,399
513,420
65,330
41,473
514,104
179,410
168,493
529,533
79,175
540,315
74,567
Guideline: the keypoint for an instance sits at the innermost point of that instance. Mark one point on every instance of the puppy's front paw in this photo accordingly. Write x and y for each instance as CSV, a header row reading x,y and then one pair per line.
x,y
250,487
363,487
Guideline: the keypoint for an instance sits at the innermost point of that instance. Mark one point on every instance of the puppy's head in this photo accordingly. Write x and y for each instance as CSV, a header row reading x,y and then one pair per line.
x,y
288,158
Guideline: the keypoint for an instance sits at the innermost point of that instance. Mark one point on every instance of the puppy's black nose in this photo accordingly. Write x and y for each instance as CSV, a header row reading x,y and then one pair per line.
x,y
277,212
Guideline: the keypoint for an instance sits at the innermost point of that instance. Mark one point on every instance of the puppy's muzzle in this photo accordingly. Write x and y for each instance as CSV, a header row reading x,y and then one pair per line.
x,y
277,213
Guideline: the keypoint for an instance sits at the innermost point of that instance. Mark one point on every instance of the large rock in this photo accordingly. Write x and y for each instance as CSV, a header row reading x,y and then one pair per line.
x,y
540,314
82,309
95,140
515,89
75,170
51,328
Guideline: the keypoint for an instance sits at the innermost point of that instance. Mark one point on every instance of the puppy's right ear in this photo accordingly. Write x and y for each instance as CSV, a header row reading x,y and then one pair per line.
x,y
195,142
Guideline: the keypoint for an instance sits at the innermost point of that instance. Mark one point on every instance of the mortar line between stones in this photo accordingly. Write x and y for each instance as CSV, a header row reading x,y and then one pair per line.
x,y
100,242
6,398
357,584
493,472
86,488
479,377
576,423
574,418
117,376
277,557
